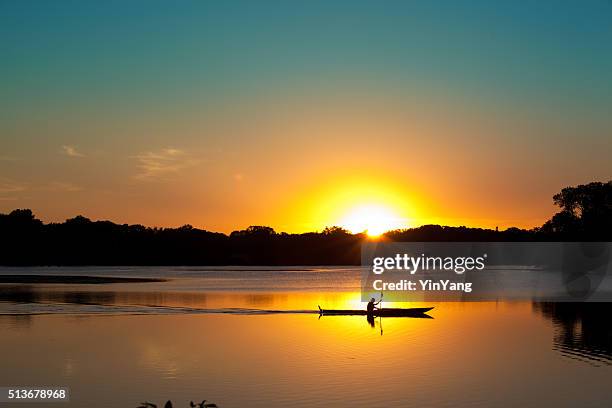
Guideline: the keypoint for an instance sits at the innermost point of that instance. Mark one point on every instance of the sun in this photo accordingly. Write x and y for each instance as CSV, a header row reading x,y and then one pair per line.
x,y
374,219
365,201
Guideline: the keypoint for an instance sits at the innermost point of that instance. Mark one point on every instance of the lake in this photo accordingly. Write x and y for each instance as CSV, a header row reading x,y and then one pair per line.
x,y
248,337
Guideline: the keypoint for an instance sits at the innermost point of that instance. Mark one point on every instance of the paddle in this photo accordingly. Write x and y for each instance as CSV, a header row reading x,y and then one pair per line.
x,y
380,313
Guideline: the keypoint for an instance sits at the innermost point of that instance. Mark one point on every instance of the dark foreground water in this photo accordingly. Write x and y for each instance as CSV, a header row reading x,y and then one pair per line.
x,y
247,338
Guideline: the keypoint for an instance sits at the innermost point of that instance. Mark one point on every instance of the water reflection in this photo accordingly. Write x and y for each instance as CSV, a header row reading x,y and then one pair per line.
x,y
19,294
373,321
31,294
583,330
472,354
67,298
19,321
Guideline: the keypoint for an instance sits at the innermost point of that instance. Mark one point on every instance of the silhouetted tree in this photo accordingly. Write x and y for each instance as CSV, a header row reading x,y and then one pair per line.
x,y
586,212
335,231
255,230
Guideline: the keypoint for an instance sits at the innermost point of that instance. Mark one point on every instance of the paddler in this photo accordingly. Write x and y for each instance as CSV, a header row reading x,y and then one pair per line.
x,y
372,305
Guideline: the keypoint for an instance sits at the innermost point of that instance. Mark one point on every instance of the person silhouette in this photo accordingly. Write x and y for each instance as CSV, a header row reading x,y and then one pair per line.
x,y
372,305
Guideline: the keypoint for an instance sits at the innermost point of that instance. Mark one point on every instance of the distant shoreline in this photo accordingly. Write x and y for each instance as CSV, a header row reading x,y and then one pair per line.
x,y
585,216
75,279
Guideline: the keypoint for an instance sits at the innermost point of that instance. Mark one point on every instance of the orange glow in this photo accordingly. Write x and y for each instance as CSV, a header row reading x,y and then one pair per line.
x,y
374,219
371,204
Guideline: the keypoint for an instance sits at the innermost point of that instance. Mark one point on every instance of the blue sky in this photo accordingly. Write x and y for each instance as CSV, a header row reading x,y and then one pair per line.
x,y
549,51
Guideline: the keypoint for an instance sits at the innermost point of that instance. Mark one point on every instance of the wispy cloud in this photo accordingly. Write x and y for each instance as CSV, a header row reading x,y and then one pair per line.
x,y
8,186
61,186
161,164
10,189
71,151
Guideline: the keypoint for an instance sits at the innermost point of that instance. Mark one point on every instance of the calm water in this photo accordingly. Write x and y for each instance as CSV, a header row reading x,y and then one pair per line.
x,y
247,338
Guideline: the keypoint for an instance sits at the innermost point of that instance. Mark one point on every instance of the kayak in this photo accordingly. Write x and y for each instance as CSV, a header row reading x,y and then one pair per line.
x,y
386,312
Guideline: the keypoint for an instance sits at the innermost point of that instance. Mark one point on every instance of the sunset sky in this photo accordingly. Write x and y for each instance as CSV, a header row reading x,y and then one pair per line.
x,y
300,115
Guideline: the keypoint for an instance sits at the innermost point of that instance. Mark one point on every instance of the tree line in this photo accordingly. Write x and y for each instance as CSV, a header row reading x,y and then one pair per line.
x,y
585,215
